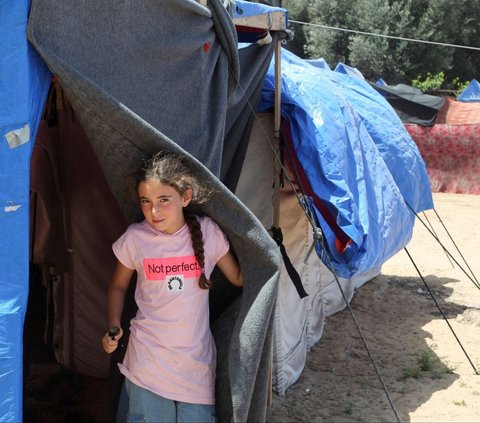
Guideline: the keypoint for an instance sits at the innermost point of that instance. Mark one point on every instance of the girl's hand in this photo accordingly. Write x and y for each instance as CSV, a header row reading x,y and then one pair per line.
x,y
111,338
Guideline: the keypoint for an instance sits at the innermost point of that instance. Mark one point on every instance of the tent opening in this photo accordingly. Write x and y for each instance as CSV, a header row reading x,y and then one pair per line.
x,y
51,392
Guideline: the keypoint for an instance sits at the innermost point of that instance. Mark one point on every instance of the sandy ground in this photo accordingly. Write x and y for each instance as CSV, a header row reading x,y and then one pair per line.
x,y
426,372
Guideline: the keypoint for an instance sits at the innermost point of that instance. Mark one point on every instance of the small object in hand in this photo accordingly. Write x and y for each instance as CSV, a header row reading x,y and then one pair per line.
x,y
113,332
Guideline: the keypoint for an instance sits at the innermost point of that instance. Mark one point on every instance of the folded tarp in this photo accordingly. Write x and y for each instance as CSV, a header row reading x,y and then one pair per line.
x,y
23,88
411,104
356,162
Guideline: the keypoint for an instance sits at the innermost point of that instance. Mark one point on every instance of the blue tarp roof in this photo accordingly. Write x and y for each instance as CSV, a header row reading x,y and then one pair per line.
x,y
360,164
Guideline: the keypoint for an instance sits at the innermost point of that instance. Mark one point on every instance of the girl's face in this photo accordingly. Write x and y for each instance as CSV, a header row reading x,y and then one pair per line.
x,y
162,205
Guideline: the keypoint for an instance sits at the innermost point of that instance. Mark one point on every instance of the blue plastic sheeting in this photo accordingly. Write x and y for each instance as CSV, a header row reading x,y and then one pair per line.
x,y
392,140
23,90
360,164
319,63
471,93
246,8
349,70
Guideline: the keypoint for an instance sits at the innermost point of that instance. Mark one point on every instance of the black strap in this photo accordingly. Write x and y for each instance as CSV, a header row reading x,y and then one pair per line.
x,y
292,272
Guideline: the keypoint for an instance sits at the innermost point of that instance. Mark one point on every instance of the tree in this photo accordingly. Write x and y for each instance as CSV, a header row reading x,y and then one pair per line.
x,y
395,60
297,9
330,44
379,56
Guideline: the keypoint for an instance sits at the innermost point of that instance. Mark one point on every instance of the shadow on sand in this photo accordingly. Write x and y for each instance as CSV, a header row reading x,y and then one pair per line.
x,y
339,383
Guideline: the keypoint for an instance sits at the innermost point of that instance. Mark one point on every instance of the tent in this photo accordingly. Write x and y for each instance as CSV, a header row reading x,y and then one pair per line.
x,y
109,107
320,63
349,70
451,145
118,108
411,104
471,92
356,136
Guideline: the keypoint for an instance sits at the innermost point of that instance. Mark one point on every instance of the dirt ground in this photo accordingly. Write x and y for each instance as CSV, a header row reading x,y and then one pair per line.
x,y
420,356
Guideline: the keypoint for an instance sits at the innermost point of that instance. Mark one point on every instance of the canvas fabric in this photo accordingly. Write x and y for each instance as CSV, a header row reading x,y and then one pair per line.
x,y
82,219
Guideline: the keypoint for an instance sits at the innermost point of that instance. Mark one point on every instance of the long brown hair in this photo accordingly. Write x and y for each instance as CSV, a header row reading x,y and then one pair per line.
x,y
171,169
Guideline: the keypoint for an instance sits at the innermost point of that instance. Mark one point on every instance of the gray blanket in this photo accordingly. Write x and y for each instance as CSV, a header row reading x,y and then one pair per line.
x,y
152,75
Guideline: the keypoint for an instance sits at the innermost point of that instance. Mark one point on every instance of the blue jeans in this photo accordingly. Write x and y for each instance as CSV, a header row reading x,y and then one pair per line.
x,y
146,407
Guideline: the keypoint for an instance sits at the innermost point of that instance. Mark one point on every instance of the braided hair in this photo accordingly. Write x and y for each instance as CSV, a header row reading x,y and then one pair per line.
x,y
197,243
171,169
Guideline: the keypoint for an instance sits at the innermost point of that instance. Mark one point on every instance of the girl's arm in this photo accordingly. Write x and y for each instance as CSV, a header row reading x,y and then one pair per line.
x,y
228,264
116,299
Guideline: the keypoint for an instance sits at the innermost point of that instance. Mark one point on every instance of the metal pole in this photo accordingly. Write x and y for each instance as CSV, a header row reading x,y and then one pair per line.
x,y
276,176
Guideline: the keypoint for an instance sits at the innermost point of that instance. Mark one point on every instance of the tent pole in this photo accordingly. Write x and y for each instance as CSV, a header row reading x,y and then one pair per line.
x,y
276,177
276,132
278,94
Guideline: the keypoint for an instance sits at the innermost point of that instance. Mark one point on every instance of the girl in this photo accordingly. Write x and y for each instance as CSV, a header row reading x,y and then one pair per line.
x,y
169,365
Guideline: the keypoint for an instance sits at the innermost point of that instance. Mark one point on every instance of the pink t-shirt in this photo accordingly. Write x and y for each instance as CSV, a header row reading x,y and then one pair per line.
x,y
171,350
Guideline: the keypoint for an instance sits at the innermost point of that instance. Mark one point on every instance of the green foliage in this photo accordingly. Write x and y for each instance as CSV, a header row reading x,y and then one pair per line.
x,y
432,83
427,365
452,22
297,9
458,85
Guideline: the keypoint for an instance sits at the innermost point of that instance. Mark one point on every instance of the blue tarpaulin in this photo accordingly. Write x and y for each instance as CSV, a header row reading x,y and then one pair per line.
x,y
349,70
24,85
319,63
359,165
471,92
245,8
